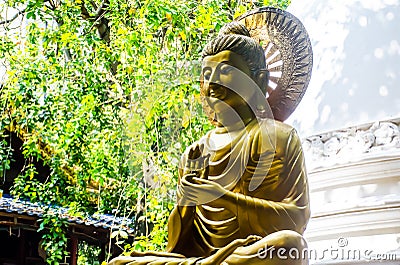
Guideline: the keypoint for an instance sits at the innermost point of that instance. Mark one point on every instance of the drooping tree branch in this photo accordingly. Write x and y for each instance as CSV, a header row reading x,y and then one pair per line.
x,y
98,19
7,21
101,23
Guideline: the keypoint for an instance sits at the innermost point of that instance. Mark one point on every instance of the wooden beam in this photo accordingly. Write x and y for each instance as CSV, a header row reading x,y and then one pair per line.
x,y
103,252
74,250
21,254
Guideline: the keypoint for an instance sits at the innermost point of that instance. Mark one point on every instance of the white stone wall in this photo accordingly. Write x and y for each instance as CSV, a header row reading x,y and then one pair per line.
x,y
354,180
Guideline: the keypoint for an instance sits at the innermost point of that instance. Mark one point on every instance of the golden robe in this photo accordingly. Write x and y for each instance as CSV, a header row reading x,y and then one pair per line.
x,y
264,167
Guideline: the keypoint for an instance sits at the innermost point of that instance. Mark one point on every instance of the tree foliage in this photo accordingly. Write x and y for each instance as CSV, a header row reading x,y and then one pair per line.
x,y
105,93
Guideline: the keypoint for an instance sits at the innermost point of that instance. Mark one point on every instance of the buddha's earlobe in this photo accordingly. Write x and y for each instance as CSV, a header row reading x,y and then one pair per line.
x,y
261,77
261,106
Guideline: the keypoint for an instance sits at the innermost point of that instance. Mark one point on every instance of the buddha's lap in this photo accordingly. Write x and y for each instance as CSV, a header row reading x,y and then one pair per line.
x,y
280,248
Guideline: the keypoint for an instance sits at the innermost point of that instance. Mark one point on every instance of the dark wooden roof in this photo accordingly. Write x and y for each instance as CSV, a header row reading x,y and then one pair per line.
x,y
25,208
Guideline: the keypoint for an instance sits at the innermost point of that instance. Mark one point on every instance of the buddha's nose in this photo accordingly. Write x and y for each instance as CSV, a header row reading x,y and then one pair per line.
x,y
209,89
212,83
214,78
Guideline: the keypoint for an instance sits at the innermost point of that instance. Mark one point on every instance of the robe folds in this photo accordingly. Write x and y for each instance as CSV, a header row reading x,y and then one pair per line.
x,y
263,166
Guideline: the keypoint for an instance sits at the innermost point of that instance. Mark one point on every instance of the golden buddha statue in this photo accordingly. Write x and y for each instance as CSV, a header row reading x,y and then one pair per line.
x,y
242,192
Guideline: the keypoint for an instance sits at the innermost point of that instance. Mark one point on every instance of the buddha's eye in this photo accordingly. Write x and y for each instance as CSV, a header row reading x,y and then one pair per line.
x,y
207,74
226,69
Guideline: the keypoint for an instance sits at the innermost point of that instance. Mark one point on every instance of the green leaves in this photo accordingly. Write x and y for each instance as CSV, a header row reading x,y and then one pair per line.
x,y
107,95
54,240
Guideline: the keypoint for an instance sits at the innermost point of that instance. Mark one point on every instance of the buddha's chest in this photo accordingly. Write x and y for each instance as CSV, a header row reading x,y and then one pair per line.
x,y
222,140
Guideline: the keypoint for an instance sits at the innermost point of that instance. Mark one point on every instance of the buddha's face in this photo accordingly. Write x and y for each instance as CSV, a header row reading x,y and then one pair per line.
x,y
227,84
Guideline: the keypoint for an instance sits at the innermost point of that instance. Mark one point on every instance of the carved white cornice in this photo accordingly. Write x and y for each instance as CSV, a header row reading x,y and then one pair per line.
x,y
352,144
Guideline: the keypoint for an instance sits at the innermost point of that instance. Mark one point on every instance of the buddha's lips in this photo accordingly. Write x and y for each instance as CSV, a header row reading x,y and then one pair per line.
x,y
217,92
215,95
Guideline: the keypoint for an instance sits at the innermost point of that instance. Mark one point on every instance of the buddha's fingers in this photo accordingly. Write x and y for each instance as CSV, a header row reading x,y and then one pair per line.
x,y
251,239
280,248
225,252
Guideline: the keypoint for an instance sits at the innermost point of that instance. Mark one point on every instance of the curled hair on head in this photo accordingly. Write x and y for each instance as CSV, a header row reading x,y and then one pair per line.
x,y
234,28
236,38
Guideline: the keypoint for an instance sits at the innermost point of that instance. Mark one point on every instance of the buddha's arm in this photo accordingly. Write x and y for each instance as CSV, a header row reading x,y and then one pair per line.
x,y
260,216
180,225
180,228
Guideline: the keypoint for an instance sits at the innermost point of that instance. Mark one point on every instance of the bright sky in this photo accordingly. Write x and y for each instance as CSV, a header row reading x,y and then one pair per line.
x,y
356,72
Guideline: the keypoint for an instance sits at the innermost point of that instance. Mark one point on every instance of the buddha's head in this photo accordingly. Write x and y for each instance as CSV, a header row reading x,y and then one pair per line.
x,y
234,70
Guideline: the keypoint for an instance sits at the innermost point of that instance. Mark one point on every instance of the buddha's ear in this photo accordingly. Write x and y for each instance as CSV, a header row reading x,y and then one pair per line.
x,y
261,77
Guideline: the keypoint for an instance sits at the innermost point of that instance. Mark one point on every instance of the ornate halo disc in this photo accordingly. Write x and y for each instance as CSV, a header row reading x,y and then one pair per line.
x,y
288,54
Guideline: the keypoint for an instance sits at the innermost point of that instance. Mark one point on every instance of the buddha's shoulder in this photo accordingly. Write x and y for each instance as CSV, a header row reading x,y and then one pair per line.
x,y
280,135
279,129
278,125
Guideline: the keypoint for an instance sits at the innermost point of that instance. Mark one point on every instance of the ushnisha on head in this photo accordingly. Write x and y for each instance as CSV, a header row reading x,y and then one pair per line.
x,y
236,38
